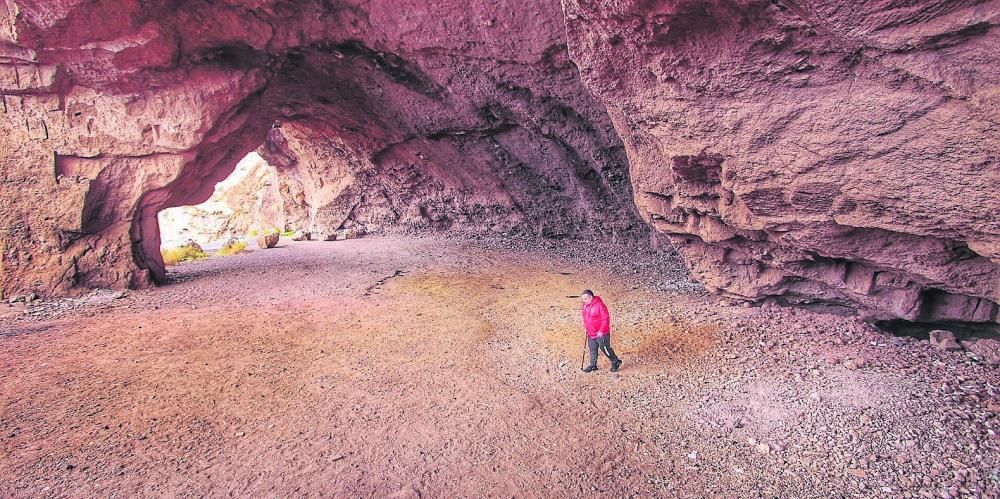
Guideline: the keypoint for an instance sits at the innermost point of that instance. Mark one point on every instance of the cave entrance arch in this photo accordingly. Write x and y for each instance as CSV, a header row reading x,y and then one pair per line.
x,y
525,150
245,204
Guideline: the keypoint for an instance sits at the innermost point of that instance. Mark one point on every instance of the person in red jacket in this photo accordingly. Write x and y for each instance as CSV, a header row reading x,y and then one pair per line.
x,y
597,323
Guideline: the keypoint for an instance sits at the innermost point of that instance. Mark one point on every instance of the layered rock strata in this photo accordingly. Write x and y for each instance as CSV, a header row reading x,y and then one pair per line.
x,y
809,151
449,113
813,151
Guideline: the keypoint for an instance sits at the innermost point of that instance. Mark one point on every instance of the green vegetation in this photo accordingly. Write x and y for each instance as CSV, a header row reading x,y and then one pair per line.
x,y
174,256
272,230
233,249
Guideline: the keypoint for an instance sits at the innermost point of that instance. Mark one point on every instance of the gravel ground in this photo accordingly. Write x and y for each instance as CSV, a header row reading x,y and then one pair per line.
x,y
431,367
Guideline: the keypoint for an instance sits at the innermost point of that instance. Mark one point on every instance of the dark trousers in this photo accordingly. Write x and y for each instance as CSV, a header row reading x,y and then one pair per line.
x,y
603,344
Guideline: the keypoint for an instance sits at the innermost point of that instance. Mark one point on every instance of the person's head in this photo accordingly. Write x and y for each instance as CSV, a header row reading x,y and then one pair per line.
x,y
587,295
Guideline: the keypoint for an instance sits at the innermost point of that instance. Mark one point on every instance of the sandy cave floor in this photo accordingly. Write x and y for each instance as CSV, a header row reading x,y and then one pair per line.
x,y
444,368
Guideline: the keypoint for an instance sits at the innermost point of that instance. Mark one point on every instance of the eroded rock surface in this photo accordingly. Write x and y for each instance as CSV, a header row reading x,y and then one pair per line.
x,y
390,113
812,151
835,151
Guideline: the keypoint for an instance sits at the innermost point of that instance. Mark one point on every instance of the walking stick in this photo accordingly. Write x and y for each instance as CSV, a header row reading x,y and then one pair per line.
x,y
584,358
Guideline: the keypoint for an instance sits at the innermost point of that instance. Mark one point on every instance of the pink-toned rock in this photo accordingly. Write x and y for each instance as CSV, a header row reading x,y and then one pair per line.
x,y
829,151
855,363
193,245
944,340
265,241
987,349
352,233
833,150
437,120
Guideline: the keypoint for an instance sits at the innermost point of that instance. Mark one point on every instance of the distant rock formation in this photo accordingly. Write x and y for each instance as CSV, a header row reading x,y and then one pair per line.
x,y
247,200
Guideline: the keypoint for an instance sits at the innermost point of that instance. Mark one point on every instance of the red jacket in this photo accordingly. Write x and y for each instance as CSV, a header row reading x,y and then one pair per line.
x,y
596,319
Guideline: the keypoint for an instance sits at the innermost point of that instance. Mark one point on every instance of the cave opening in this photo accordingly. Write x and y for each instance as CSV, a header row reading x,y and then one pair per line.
x,y
963,331
370,141
243,207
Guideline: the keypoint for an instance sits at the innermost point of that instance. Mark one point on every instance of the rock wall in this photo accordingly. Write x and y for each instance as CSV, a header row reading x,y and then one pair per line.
x,y
512,181
835,151
811,151
113,111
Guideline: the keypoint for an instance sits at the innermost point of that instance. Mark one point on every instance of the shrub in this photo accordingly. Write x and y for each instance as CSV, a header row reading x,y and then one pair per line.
x,y
272,230
174,256
288,233
233,248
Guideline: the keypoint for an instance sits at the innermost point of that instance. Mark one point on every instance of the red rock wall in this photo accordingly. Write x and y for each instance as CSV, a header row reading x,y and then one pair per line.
x,y
833,151
420,185
114,110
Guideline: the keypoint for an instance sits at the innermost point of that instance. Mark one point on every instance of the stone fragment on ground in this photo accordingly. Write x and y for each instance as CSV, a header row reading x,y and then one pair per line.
x,y
988,349
944,340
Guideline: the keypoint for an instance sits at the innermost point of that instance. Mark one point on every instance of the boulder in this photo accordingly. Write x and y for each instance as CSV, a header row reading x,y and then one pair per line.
x,y
351,233
944,340
265,241
191,243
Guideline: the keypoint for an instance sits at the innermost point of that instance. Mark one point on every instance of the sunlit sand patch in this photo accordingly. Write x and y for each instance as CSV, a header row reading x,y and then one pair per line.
x,y
655,345
541,306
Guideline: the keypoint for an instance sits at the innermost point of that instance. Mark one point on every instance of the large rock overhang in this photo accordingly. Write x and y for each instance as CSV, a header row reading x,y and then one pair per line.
x,y
811,152
833,151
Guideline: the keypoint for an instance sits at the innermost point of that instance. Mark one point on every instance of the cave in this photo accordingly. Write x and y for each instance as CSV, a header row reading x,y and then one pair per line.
x,y
246,203
804,186
540,133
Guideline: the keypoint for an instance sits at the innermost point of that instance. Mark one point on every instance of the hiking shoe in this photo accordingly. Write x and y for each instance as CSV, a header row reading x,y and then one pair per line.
x,y
589,369
615,366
